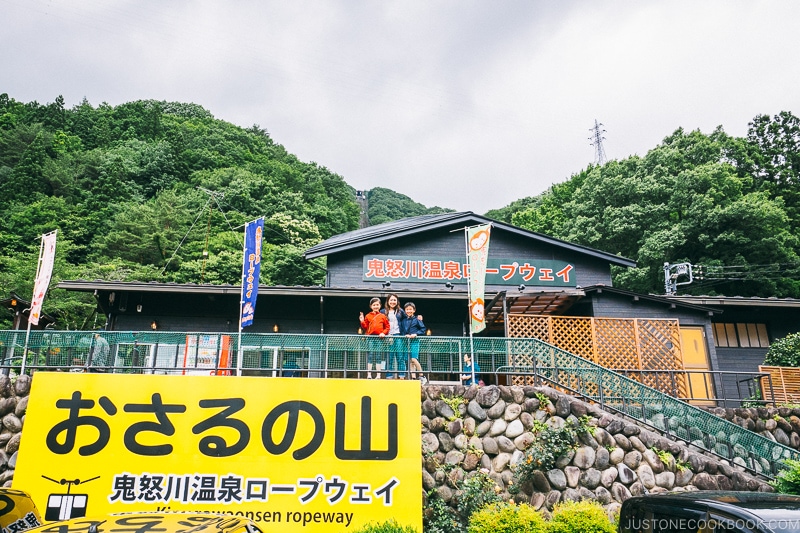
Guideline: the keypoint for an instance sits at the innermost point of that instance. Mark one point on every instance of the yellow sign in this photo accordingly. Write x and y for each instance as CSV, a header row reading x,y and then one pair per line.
x,y
17,511
326,454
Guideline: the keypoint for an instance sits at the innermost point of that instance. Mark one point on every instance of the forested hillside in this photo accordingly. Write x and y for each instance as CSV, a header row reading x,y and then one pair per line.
x,y
386,205
159,191
730,205
154,191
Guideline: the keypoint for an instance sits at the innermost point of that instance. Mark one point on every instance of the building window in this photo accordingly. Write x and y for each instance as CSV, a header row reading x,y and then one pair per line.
x,y
740,335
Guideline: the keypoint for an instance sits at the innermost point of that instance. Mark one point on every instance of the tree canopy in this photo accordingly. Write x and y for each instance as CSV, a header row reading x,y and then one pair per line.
x,y
141,190
727,205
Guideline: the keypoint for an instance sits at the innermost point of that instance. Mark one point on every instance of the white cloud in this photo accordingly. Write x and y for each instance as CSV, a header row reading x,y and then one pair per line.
x,y
467,104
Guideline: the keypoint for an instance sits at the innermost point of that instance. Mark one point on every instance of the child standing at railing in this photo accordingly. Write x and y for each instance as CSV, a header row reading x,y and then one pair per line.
x,y
469,376
374,323
412,326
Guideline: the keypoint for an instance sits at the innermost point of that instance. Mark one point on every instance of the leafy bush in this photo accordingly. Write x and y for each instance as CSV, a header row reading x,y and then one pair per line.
x,y
506,517
788,481
784,352
389,526
580,517
550,444
473,493
438,517
477,491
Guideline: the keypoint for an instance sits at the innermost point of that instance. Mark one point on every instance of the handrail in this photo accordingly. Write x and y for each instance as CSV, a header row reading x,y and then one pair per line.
x,y
654,408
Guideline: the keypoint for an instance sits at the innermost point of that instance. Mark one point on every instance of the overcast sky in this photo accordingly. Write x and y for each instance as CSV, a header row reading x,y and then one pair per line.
x,y
463,104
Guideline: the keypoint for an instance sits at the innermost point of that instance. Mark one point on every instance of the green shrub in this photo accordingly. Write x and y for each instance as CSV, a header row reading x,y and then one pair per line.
x,y
580,517
476,491
788,481
389,526
505,517
438,517
473,493
784,352
550,444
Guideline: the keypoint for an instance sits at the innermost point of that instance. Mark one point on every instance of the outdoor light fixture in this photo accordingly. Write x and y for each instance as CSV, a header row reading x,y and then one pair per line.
x,y
138,308
360,331
386,284
275,328
521,288
449,285
428,332
154,325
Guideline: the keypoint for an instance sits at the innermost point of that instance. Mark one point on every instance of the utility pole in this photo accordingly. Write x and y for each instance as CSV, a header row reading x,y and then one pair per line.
x,y
674,272
597,141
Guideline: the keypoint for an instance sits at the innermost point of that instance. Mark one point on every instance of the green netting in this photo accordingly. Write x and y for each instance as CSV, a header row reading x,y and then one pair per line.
x,y
347,355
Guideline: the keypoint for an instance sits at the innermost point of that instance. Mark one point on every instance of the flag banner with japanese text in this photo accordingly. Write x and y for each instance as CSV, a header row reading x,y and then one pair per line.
x,y
477,256
251,270
326,455
47,255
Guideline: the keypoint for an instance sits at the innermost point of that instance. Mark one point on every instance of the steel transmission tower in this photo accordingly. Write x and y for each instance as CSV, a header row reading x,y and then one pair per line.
x,y
597,141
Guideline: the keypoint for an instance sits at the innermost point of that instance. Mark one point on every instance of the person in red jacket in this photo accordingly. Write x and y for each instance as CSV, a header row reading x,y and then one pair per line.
x,y
375,323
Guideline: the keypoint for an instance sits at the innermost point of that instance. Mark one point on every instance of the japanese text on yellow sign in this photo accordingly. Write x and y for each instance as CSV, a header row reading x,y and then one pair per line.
x,y
330,454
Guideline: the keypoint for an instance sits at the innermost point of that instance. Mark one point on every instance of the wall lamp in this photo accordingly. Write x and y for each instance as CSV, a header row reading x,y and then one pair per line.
x,y
386,284
521,288
428,332
275,328
449,285
138,308
154,325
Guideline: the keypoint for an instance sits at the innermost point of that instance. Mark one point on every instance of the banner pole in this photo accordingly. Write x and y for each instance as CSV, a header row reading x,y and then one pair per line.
x,y
240,349
469,311
30,309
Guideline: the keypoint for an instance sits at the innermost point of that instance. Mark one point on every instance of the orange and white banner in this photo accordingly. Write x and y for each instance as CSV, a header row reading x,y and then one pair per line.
x,y
478,256
47,255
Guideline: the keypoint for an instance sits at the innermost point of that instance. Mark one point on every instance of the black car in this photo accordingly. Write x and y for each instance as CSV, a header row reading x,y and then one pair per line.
x,y
711,512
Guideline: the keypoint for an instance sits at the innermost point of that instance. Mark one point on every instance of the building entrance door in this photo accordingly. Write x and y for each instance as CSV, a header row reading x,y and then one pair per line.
x,y
695,361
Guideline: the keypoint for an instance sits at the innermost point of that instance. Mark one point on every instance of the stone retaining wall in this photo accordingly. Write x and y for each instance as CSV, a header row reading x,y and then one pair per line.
x,y
492,427
13,403
780,424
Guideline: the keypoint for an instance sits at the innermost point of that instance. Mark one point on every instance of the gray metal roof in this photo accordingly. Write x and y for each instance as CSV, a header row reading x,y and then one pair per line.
x,y
737,301
414,225
263,290
668,301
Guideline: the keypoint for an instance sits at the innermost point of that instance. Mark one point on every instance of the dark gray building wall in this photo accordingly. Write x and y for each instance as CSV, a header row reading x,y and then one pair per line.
x,y
345,268
739,360
780,321
293,314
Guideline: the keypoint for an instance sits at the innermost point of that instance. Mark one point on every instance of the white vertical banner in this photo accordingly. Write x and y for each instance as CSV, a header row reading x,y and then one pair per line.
x,y
477,256
47,255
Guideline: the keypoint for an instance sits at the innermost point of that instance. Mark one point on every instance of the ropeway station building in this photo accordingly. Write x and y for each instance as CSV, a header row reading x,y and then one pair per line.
x,y
536,287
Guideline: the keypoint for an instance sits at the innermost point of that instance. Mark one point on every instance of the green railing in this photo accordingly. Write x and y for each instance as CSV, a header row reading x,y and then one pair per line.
x,y
261,354
347,356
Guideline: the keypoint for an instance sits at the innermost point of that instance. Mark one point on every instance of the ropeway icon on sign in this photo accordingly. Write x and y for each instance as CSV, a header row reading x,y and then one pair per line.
x,y
66,506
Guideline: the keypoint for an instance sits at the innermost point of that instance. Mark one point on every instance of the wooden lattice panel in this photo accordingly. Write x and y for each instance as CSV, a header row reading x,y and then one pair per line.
x,y
785,384
529,326
616,345
573,334
660,346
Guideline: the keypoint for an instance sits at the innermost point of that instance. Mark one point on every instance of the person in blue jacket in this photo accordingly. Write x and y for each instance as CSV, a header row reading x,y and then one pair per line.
x,y
467,376
412,327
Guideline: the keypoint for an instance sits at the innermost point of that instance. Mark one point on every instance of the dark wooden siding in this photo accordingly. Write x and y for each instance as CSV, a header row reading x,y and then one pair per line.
x,y
345,268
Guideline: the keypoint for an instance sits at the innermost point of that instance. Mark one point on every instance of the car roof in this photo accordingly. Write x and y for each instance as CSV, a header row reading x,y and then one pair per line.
x,y
177,522
726,501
